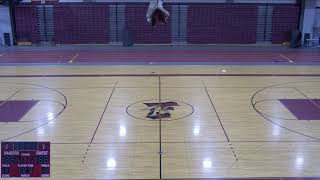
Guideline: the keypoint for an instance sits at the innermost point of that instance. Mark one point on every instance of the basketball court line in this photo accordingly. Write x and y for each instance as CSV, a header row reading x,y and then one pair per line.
x,y
160,136
10,97
273,122
155,75
39,126
260,111
219,119
307,98
103,113
97,127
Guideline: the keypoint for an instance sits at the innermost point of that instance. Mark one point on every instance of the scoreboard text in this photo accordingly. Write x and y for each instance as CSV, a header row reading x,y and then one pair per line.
x,y
25,159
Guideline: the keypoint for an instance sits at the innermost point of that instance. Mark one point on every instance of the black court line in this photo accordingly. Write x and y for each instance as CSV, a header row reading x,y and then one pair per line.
x,y
45,123
101,117
307,98
160,135
10,97
269,119
225,133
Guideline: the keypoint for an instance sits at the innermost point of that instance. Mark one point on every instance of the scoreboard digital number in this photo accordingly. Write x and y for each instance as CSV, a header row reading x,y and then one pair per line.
x,y
25,159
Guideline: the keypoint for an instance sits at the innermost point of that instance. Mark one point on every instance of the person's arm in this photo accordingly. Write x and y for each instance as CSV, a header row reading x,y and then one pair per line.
x,y
160,7
152,7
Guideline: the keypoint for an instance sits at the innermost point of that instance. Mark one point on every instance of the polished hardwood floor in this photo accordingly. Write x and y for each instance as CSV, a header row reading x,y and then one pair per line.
x,y
151,122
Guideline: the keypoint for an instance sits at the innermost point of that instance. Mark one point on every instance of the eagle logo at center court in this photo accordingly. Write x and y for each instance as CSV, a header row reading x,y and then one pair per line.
x,y
166,110
160,110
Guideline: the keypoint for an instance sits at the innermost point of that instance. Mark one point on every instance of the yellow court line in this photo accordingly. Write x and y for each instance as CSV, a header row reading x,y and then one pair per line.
x,y
283,56
74,57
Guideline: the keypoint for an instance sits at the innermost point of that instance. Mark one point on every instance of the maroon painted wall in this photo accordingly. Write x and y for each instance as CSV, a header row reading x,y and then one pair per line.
x,y
285,19
222,24
26,23
141,31
81,24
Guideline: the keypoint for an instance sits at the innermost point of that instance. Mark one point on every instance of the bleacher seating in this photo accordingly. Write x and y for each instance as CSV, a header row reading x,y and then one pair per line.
x,y
26,23
81,24
84,23
285,19
141,31
222,23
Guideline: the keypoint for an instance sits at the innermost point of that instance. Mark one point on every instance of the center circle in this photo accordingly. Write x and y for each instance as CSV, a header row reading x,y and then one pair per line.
x,y
154,110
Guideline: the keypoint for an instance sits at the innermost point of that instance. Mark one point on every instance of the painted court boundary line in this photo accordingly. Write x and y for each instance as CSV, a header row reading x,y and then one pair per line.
x,y
233,63
101,118
146,75
221,124
160,131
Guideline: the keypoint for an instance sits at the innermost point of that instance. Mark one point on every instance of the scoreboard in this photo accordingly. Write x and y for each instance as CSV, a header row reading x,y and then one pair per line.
x,y
25,159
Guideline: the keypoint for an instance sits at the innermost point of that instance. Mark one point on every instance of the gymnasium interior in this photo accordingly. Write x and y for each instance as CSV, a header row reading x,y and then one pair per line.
x,y
160,89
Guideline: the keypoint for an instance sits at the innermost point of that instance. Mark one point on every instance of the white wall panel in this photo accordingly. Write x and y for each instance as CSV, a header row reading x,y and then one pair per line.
x,y
5,23
310,17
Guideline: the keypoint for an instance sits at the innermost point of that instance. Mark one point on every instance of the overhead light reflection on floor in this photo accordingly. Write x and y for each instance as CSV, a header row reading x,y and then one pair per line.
x,y
299,162
50,116
196,130
206,163
111,163
275,130
122,131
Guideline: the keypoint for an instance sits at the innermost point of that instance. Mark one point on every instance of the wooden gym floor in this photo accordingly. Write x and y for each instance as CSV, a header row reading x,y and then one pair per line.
x,y
105,122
